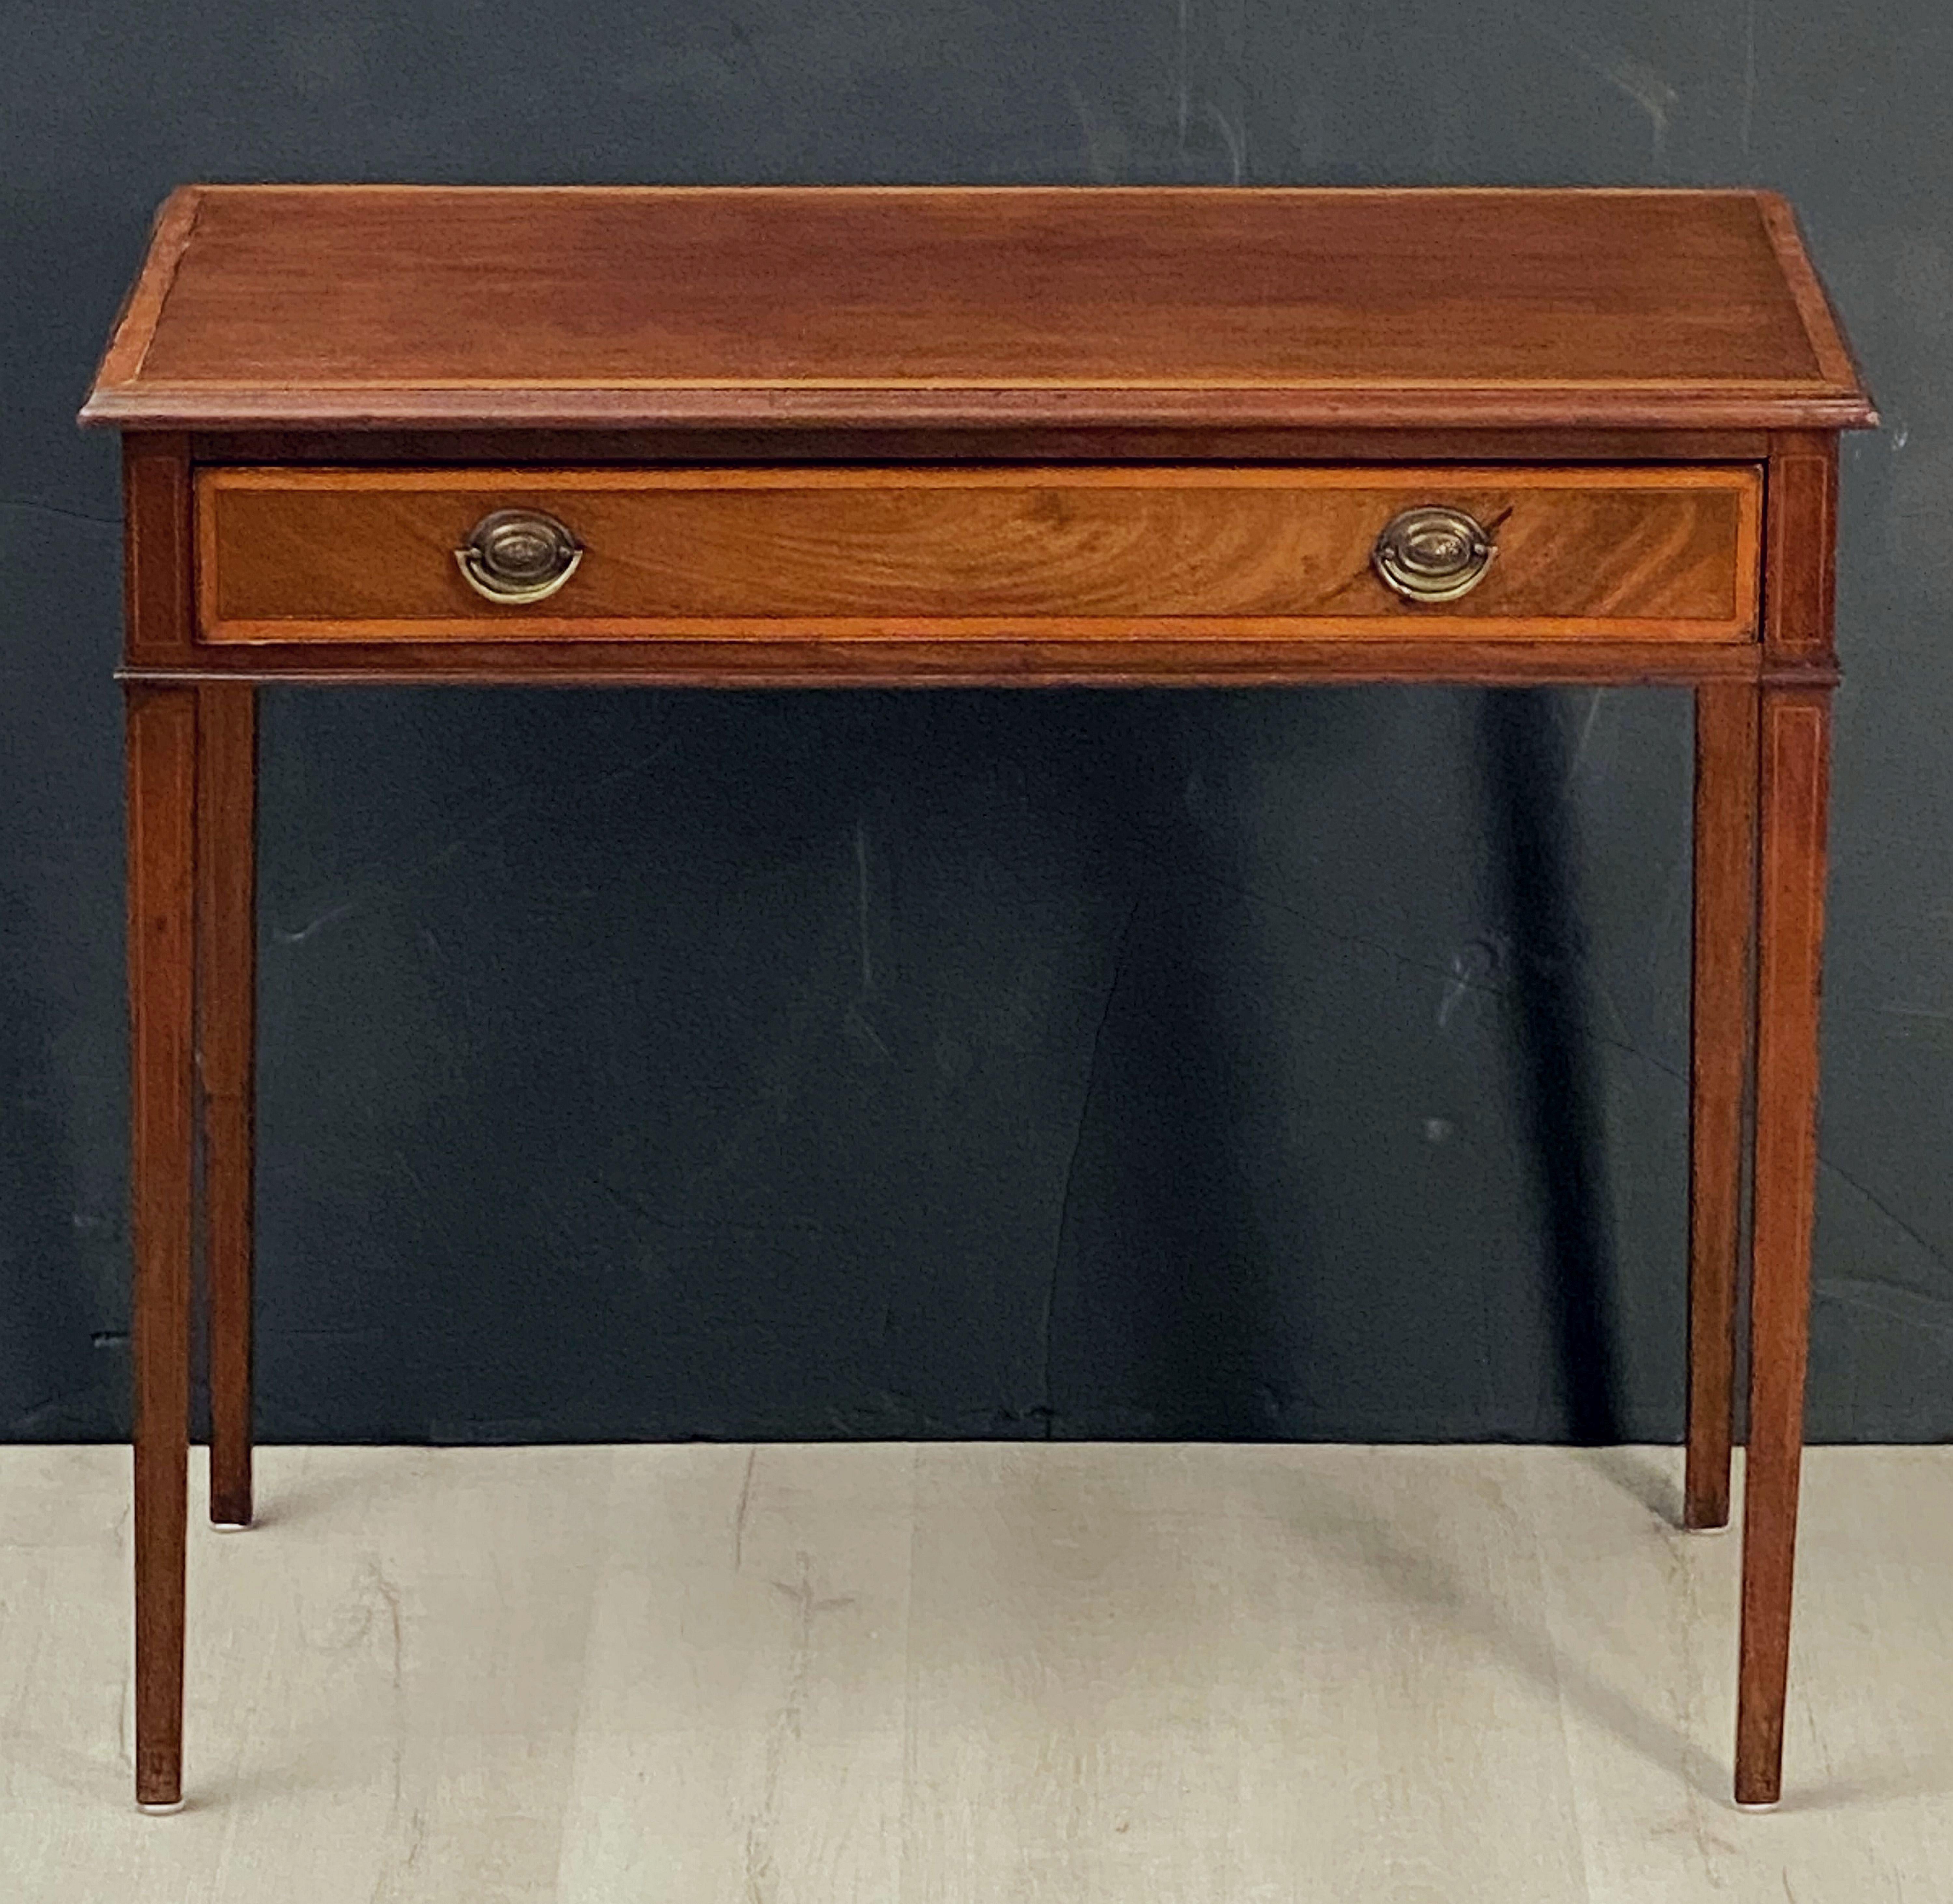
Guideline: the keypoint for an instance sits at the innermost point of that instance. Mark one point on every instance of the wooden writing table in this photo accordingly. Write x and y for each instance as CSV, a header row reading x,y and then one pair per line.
x,y
758,436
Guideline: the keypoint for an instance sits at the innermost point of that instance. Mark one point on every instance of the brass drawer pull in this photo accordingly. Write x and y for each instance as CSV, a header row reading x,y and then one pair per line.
x,y
1432,554
518,555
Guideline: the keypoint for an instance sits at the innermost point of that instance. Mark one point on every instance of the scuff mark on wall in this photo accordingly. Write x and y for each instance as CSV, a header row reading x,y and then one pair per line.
x,y
1905,1306
384,889
55,509
1884,1209
861,1032
1046,1407
861,904
1107,150
1634,80
1234,137
1749,118
1185,89
1473,969
1580,746
298,935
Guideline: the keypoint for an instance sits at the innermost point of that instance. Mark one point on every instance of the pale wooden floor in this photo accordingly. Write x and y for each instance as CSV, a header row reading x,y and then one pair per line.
x,y
906,1675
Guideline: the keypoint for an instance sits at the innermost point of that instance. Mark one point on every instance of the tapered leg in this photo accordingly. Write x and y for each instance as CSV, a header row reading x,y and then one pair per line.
x,y
1795,750
161,824
1719,1026
225,827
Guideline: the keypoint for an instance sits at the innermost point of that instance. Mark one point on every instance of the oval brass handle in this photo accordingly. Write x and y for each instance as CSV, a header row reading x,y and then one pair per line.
x,y
1432,554
518,555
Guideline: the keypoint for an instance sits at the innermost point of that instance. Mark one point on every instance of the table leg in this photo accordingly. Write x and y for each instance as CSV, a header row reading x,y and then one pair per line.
x,y
161,763
226,978
1719,1026
1795,749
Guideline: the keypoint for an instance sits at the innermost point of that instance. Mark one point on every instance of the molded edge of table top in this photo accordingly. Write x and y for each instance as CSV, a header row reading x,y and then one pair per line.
x,y
123,396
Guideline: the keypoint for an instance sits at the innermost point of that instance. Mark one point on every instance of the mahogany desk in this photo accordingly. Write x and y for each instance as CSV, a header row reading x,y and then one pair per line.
x,y
746,436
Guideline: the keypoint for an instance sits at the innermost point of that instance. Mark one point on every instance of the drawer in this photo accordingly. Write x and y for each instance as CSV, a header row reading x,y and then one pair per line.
x,y
863,554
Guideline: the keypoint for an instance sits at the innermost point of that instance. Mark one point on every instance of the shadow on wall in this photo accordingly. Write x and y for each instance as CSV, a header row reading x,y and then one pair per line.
x,y
1525,771
1169,1282
943,1065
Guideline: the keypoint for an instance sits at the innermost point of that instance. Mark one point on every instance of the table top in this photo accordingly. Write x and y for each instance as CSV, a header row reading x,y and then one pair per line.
x,y
332,307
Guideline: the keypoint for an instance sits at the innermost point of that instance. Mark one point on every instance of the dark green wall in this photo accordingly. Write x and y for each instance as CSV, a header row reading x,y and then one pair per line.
x,y
1301,1064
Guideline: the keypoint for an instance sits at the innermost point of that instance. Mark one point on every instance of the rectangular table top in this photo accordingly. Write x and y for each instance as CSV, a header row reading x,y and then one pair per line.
x,y
330,307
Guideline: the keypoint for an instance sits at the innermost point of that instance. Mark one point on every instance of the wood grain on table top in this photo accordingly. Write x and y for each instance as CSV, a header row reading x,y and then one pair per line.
x,y
634,307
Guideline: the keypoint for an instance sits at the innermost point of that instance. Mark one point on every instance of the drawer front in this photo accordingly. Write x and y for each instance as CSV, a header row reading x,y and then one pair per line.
x,y
325,555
